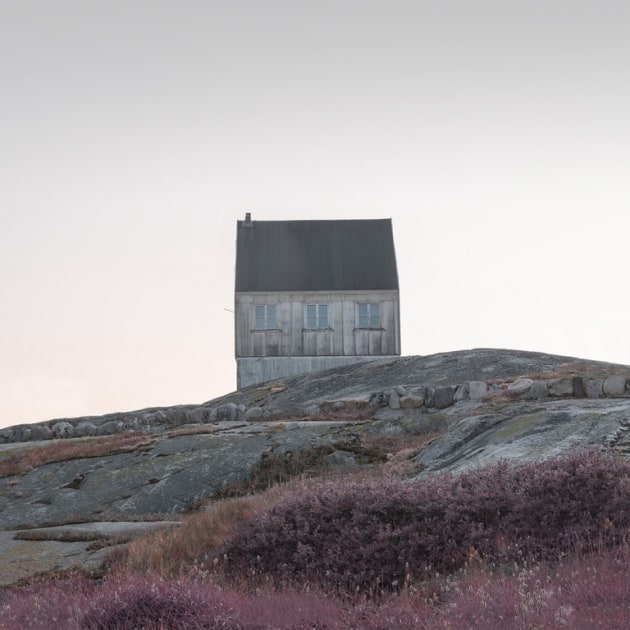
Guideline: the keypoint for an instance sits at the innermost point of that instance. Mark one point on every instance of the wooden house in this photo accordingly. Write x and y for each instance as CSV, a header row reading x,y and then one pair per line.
x,y
313,295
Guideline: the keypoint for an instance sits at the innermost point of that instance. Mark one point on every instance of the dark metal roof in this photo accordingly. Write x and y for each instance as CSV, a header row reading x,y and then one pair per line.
x,y
345,255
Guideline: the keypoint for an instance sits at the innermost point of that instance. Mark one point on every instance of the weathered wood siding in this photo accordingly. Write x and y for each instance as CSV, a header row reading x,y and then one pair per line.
x,y
342,338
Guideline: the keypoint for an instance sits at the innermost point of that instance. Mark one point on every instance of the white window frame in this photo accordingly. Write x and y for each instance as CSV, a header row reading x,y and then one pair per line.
x,y
321,318
369,315
265,317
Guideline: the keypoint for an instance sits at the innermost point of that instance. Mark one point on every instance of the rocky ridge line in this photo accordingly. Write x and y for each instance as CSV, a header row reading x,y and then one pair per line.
x,y
474,407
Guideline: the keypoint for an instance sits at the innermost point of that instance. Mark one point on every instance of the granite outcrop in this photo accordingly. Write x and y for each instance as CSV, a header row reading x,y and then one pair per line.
x,y
474,407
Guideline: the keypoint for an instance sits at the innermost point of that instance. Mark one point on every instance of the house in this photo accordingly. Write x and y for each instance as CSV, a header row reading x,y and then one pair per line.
x,y
313,295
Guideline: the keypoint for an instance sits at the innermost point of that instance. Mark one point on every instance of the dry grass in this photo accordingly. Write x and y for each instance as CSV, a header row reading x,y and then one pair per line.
x,y
261,393
172,552
501,396
578,368
65,536
399,446
400,462
196,430
62,450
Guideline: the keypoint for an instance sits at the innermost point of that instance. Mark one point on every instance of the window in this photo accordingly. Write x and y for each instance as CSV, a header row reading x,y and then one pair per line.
x,y
317,316
265,317
369,316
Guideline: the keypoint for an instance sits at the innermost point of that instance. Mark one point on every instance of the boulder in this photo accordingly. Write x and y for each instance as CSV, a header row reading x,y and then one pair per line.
x,y
461,393
111,427
394,399
155,418
379,399
594,387
561,386
537,390
201,415
520,386
21,433
227,412
134,423
41,432
443,397
615,386
84,429
578,387
62,430
177,416
411,401
477,390
255,413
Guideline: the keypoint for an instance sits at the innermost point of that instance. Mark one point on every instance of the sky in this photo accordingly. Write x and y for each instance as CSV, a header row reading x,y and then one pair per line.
x,y
135,133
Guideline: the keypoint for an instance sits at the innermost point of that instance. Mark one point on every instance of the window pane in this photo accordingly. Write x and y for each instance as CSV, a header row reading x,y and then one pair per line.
x,y
364,317
323,315
271,317
375,316
259,313
311,316
265,317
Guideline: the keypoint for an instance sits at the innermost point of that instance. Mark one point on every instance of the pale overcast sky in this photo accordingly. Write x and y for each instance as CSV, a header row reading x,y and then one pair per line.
x,y
134,133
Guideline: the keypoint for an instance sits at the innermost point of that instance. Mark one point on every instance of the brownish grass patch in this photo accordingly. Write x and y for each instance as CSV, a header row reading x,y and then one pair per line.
x,y
62,450
579,368
195,543
197,430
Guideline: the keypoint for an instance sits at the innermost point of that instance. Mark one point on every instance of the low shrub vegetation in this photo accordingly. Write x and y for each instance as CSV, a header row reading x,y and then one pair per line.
x,y
542,545
381,535
580,593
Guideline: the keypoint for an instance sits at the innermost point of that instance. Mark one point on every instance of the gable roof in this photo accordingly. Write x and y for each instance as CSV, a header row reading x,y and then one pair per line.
x,y
338,255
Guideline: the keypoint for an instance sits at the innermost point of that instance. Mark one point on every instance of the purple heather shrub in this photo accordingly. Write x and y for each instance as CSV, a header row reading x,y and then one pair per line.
x,y
580,592
378,536
47,604
126,603
137,602
540,545
288,609
133,602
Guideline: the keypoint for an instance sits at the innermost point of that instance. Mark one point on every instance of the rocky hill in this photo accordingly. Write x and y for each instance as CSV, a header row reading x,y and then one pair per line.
x,y
67,483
